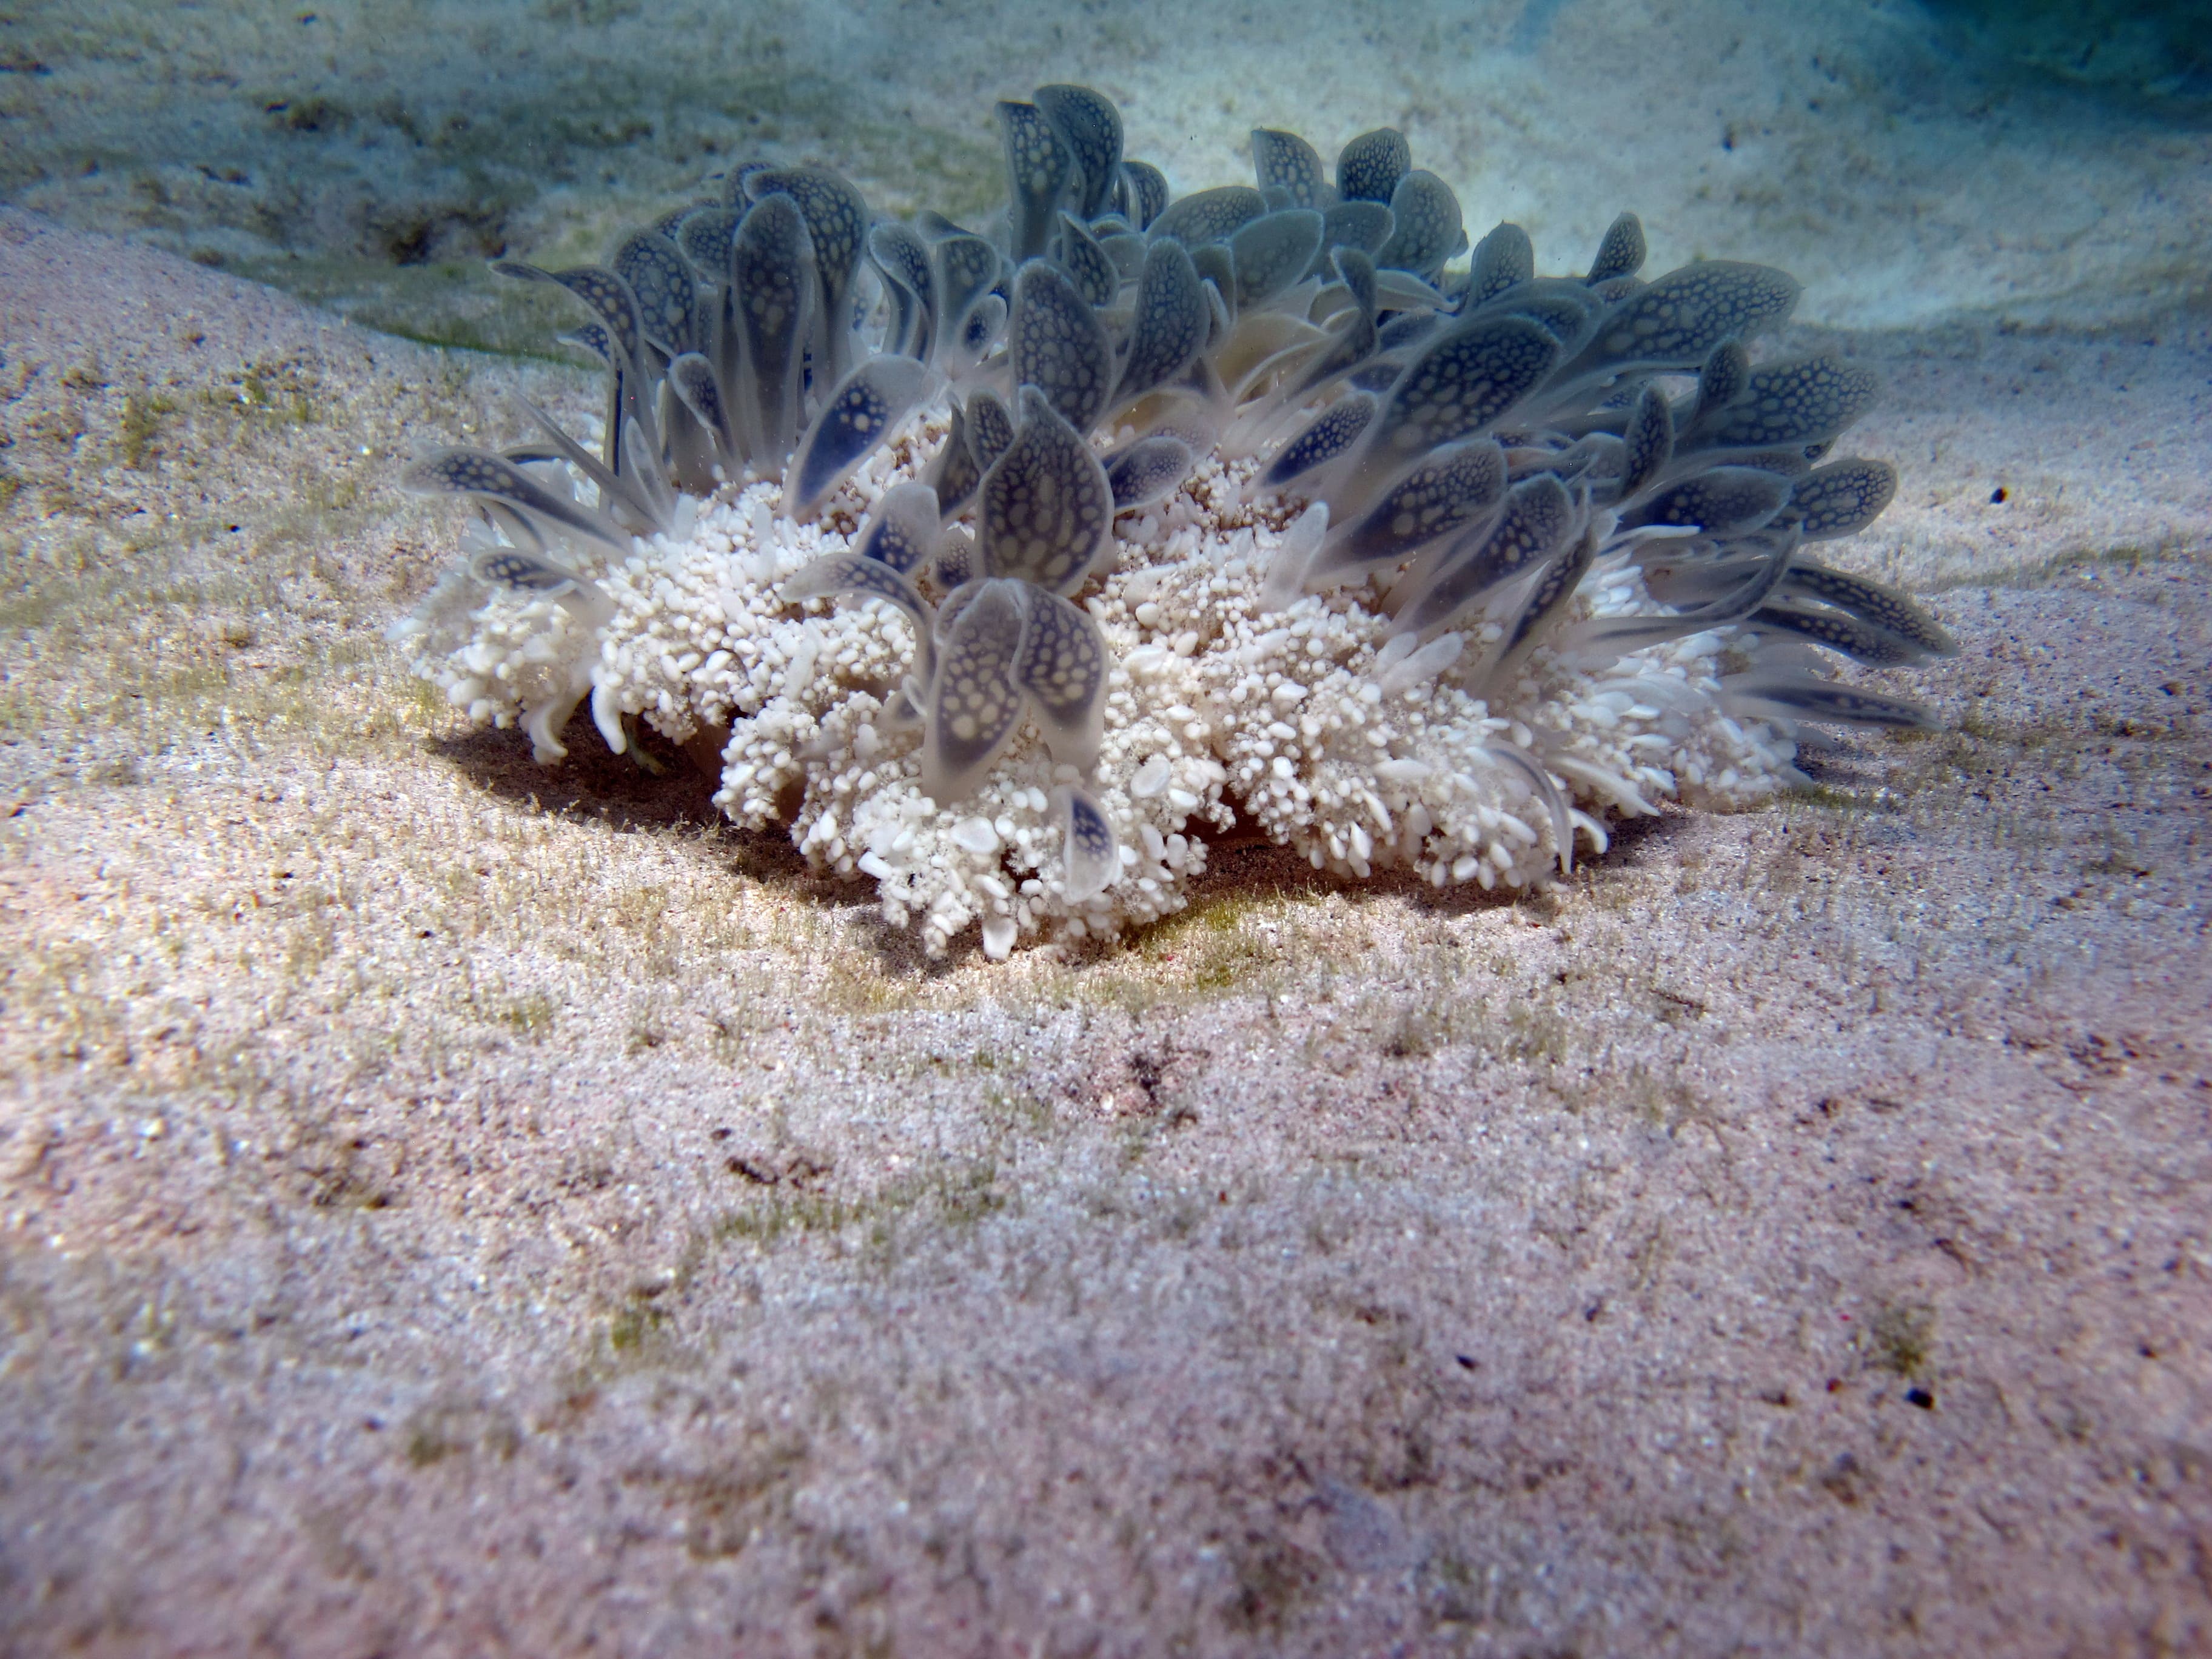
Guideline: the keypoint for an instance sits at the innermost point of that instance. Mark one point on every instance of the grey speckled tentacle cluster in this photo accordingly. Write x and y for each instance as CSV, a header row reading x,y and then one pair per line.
x,y
1494,430
733,341
1473,444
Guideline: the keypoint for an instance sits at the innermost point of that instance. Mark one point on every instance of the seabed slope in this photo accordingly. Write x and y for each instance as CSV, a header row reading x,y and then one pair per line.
x,y
452,1206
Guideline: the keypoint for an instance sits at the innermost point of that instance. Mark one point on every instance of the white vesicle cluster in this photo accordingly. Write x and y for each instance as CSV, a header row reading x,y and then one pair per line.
x,y
501,652
1299,719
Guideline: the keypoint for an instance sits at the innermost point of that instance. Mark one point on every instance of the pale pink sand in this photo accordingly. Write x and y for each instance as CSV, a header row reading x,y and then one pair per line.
x,y
436,1223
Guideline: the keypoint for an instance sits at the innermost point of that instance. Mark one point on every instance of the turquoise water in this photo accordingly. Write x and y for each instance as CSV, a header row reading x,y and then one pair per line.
x,y
372,156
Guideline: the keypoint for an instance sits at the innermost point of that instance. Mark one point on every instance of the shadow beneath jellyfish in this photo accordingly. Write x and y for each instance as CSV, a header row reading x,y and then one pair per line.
x,y
661,786
1244,866
657,788
1629,843
661,791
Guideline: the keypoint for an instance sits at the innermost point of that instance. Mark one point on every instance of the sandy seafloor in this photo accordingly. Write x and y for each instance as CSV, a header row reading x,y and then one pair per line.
x,y
449,1207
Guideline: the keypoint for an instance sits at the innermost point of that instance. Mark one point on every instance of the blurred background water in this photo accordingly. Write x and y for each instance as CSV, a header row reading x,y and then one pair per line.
x,y
1906,158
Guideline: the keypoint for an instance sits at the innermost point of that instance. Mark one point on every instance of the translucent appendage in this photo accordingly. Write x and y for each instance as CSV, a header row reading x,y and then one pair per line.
x,y
1063,667
1726,500
1842,498
693,378
1091,127
1045,508
1095,276
1093,857
1809,401
1620,252
1871,602
1058,346
1473,374
1209,216
1331,433
1148,470
667,295
861,413
904,259
901,532
975,703
990,427
1676,321
1171,323
772,284
1539,518
1504,260
1425,225
1446,491
1273,254
1038,166
1368,168
956,473
473,472
1286,162
1148,191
